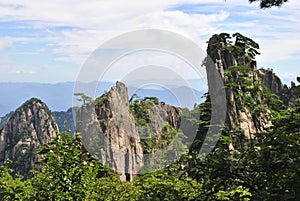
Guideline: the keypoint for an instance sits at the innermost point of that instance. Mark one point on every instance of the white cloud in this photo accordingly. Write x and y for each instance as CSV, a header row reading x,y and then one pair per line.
x,y
276,29
5,64
24,72
4,43
96,21
77,59
8,41
76,42
7,67
289,75
99,21
282,48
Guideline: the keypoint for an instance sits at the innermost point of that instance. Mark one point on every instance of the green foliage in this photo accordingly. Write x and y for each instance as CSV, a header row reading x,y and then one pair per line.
x,y
161,140
198,118
152,99
111,189
101,100
140,111
296,89
215,173
269,3
65,172
167,185
237,193
264,168
246,45
12,188
243,47
150,140
83,98
276,157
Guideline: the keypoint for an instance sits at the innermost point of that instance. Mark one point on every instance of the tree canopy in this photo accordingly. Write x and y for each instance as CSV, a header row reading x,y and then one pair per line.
x,y
269,3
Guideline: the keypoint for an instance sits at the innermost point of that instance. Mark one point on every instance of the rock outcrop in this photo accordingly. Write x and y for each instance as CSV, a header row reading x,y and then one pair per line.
x,y
273,82
30,126
239,115
164,113
108,131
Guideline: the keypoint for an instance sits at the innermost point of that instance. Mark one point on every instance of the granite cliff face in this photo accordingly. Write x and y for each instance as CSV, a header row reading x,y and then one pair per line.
x,y
111,132
226,57
273,82
164,113
30,126
247,88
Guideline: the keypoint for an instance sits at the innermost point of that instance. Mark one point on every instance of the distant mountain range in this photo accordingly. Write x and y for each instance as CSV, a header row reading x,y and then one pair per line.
x,y
59,96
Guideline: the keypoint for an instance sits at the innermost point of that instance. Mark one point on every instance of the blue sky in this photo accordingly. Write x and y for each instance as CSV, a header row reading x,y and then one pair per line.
x,y
49,41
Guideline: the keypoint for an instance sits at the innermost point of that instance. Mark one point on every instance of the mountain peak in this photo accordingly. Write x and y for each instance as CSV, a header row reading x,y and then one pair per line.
x,y
30,126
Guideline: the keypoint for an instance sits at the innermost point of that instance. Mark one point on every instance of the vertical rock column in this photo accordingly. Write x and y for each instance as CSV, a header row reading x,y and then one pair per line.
x,y
109,132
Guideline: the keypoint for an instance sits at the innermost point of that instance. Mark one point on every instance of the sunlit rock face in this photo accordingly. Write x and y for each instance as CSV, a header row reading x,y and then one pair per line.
x,y
29,127
109,132
239,116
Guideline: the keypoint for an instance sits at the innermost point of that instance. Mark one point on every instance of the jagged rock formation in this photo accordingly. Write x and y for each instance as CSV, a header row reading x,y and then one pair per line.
x,y
225,56
157,123
248,90
109,132
164,113
273,82
30,126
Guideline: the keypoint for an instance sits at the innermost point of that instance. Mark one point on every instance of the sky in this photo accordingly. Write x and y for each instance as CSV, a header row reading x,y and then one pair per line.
x,y
49,41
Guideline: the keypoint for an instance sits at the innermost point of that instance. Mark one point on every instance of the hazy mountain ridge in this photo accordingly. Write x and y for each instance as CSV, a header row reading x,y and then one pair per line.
x,y
65,120
59,97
